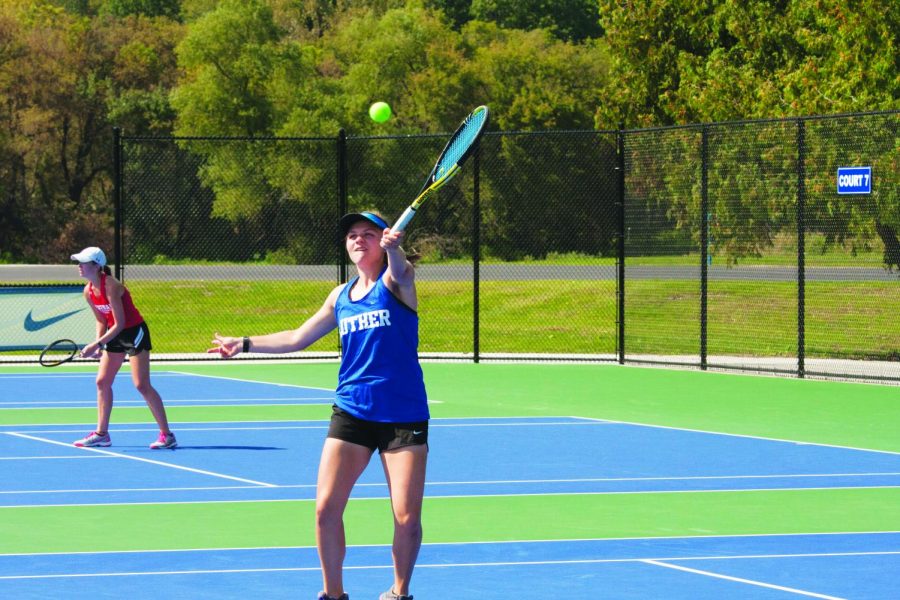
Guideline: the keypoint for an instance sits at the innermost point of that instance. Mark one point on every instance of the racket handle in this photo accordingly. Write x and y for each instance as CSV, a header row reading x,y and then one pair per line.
x,y
404,219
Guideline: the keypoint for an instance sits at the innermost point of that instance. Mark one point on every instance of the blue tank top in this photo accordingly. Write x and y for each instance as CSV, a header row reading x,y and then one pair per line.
x,y
380,377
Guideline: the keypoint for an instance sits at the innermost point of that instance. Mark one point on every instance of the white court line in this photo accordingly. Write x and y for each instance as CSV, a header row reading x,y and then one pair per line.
x,y
324,425
659,492
139,459
739,435
686,478
457,496
741,580
84,375
525,563
48,458
152,427
93,401
293,385
36,408
697,478
432,483
665,538
214,488
529,424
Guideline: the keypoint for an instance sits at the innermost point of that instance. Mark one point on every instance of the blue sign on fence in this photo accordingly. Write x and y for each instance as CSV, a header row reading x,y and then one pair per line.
x,y
854,180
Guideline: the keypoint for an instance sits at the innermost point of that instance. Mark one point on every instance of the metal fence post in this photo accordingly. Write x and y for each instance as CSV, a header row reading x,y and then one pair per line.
x,y
801,248
476,255
704,240
341,208
341,198
620,258
117,200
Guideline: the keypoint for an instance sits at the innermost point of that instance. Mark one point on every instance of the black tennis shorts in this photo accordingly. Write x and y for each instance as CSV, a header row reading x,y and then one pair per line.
x,y
131,341
372,435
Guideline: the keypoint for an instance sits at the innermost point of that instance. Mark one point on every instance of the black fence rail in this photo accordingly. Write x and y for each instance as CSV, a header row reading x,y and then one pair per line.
x,y
725,245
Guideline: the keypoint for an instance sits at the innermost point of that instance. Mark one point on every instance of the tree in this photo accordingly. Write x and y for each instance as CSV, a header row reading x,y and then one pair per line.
x,y
147,8
267,82
534,81
456,11
678,62
61,73
570,20
227,57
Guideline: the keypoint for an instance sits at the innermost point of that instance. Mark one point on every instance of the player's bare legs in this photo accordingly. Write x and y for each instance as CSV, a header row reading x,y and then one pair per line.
x,y
340,466
140,376
404,469
110,363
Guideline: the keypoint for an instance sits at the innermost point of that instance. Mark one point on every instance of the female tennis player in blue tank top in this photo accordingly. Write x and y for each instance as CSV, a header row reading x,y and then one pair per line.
x,y
380,399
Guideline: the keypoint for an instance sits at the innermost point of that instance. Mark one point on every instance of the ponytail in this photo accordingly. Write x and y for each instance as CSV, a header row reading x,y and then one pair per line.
x,y
106,269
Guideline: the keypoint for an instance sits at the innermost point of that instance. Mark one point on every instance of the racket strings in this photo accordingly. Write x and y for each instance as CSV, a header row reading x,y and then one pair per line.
x,y
462,142
58,352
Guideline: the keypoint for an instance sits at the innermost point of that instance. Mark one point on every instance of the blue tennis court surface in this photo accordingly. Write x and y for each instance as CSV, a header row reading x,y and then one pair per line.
x,y
278,460
274,461
862,566
76,390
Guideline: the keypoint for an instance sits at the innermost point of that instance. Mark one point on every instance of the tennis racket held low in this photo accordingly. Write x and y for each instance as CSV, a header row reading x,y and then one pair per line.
x,y
57,353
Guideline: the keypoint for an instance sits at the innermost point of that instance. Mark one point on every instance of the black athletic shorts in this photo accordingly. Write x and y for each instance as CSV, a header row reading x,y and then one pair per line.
x,y
131,341
372,435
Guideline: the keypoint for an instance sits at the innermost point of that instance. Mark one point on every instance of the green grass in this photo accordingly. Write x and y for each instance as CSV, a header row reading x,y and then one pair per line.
x,y
184,315
843,319
783,252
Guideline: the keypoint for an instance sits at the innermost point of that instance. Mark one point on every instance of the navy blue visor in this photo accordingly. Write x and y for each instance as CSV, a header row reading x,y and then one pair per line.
x,y
348,220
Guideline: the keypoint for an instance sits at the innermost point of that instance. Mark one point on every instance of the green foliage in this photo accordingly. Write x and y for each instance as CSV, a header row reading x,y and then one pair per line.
x,y
228,57
681,61
573,20
72,69
533,81
149,8
570,20
62,75
456,11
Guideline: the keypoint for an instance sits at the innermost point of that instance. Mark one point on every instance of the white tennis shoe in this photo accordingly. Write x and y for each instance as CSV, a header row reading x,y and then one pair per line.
x,y
94,439
390,595
165,440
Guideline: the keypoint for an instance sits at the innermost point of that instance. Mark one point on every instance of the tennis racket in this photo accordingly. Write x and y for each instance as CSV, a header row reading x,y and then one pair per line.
x,y
458,149
58,352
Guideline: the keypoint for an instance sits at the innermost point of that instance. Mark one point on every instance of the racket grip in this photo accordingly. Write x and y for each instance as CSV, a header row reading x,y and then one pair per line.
x,y
404,219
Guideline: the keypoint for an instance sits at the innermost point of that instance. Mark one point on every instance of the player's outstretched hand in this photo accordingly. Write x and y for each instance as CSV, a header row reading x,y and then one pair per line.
x,y
390,239
226,347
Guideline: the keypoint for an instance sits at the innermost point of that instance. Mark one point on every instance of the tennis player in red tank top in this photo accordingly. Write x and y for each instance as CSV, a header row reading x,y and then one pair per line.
x,y
121,331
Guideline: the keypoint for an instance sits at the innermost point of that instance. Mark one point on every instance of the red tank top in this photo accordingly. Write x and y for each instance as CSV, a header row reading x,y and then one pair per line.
x,y
132,316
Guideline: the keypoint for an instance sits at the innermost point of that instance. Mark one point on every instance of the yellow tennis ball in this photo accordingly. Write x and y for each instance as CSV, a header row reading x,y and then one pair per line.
x,y
380,112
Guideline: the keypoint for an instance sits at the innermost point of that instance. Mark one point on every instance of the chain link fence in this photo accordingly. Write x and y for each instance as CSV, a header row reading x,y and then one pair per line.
x,y
718,246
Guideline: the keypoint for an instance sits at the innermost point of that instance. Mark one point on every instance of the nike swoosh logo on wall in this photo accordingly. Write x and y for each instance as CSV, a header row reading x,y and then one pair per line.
x,y
32,325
